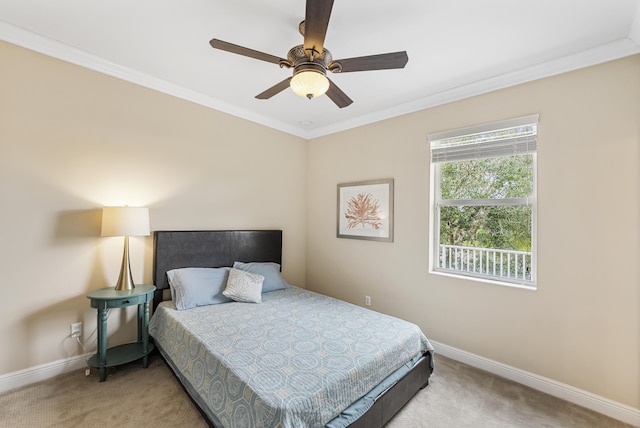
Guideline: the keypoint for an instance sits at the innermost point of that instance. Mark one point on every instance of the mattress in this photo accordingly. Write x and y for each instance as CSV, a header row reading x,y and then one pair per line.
x,y
298,359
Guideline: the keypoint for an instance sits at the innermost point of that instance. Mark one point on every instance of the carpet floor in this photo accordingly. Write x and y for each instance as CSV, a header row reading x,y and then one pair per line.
x,y
458,396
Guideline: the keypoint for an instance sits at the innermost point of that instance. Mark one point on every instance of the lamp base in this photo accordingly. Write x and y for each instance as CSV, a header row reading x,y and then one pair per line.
x,y
125,280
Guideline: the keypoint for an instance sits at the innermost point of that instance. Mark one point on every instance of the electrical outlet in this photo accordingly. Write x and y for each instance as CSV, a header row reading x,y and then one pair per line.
x,y
76,329
367,300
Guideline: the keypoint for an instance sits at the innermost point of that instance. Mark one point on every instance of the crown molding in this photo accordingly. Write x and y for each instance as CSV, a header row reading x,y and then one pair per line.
x,y
41,44
608,52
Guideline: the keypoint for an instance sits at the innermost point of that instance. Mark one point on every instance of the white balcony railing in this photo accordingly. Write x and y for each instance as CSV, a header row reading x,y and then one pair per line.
x,y
506,264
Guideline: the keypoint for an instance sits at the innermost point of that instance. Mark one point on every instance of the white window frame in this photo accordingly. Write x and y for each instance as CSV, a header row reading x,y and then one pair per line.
x,y
494,148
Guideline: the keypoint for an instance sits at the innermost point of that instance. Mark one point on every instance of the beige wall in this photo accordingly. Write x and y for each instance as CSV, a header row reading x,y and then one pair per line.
x,y
72,141
582,326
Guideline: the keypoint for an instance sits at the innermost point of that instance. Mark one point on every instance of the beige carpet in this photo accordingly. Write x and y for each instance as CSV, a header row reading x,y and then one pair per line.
x,y
458,396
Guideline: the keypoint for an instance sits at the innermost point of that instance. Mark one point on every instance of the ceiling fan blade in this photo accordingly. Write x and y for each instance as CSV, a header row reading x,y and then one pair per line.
x,y
240,50
316,21
275,89
372,62
337,96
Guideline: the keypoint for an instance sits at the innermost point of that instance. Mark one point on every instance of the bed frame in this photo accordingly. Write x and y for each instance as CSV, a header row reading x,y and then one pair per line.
x,y
208,248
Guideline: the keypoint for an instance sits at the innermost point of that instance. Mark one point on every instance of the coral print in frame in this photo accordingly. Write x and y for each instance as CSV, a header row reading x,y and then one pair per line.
x,y
365,210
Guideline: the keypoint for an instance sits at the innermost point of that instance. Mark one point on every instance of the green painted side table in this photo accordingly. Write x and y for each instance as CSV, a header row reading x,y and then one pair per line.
x,y
108,298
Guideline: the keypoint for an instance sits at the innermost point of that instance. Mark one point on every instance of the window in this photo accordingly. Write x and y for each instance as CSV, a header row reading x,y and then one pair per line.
x,y
484,201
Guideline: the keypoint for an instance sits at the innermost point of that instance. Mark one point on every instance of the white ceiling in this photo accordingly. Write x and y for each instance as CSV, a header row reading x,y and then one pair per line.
x,y
456,49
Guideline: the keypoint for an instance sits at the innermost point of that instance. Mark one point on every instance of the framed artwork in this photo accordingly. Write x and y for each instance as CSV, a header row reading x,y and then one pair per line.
x,y
365,210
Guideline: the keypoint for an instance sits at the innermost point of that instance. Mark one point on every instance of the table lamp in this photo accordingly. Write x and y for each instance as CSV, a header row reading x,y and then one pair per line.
x,y
125,221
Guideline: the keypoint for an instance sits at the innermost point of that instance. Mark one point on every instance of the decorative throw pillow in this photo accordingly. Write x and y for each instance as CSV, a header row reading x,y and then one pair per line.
x,y
191,287
244,286
271,272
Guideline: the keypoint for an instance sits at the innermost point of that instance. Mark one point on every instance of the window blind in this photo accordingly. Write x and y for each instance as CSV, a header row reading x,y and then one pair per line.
x,y
504,138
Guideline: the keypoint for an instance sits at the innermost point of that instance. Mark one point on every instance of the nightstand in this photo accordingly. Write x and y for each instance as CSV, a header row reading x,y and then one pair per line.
x,y
109,298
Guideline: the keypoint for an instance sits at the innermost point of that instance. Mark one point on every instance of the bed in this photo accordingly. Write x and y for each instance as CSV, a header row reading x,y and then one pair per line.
x,y
294,358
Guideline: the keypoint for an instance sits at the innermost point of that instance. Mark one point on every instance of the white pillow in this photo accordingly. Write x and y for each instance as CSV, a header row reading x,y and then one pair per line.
x,y
244,286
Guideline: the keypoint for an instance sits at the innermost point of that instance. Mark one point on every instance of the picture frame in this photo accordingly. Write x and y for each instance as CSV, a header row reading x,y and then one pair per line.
x,y
365,210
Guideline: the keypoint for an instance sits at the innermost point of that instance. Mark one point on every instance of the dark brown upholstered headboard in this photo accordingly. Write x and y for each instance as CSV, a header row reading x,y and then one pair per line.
x,y
210,248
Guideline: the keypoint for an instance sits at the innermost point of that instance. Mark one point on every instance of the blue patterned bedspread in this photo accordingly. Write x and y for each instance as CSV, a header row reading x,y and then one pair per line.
x,y
295,360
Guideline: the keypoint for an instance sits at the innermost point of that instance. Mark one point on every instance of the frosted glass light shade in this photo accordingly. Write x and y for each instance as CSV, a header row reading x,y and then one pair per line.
x,y
125,221
309,84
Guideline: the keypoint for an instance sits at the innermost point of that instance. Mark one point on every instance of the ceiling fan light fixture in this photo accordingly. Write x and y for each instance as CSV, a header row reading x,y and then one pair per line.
x,y
309,84
311,60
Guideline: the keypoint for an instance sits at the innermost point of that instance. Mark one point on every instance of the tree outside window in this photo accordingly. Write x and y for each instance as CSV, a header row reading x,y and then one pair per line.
x,y
484,202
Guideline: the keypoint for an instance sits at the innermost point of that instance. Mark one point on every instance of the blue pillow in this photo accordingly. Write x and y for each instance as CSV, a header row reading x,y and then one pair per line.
x,y
191,287
271,272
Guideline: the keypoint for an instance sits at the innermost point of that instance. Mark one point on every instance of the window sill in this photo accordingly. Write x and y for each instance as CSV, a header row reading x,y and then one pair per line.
x,y
527,285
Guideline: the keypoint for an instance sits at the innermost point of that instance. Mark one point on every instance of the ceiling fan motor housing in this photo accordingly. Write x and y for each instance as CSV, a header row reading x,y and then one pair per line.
x,y
300,61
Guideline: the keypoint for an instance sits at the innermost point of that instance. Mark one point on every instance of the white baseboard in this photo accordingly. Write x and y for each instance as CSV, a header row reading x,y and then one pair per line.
x,y
42,372
566,392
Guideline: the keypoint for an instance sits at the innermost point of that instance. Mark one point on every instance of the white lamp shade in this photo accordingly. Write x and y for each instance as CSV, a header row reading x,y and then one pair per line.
x,y
309,84
125,221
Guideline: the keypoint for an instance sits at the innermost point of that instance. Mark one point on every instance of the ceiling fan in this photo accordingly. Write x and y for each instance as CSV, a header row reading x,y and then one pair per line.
x,y
310,61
